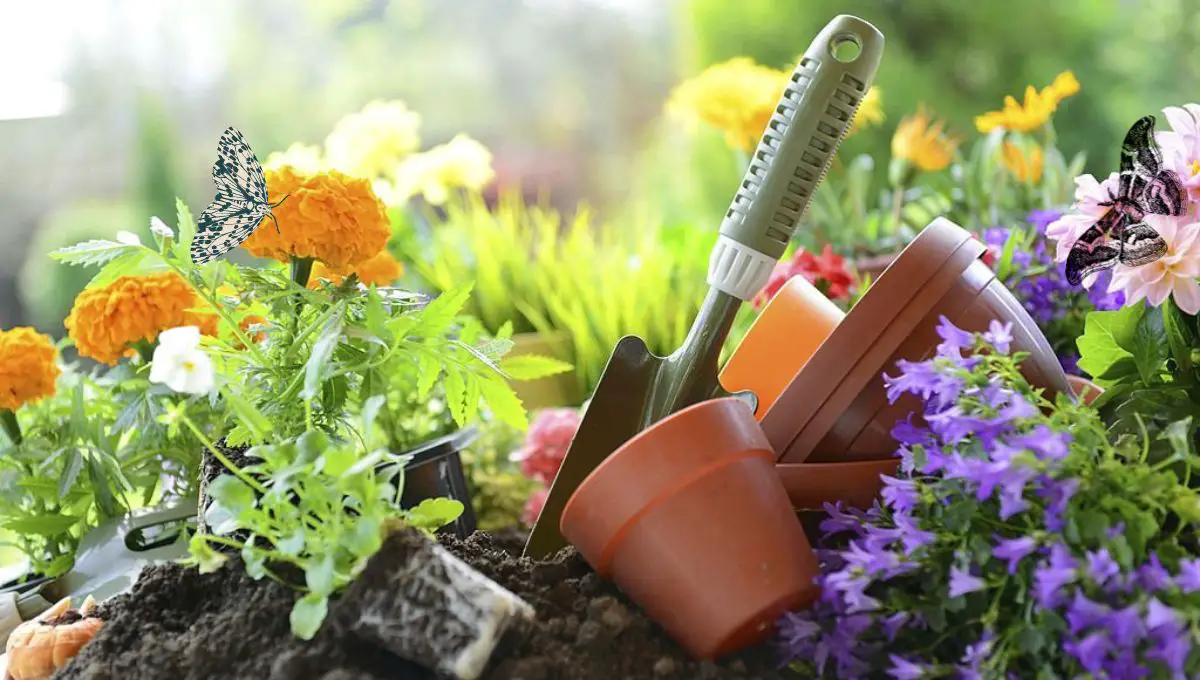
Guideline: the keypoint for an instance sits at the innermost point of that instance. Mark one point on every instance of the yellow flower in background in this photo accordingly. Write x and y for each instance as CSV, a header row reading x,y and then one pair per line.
x,y
371,142
922,141
381,270
1026,168
28,367
1035,111
870,111
105,321
461,163
303,157
736,97
329,216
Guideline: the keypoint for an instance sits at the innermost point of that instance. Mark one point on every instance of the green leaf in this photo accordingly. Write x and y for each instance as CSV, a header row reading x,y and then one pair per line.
x,y
186,226
92,253
1150,349
71,470
307,615
256,424
254,560
126,265
370,411
504,403
232,493
432,514
293,544
318,576
206,558
1181,338
366,537
439,315
106,502
532,367
42,525
1125,366
322,352
1107,339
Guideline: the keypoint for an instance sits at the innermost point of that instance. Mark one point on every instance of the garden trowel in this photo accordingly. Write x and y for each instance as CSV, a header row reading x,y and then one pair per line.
x,y
638,388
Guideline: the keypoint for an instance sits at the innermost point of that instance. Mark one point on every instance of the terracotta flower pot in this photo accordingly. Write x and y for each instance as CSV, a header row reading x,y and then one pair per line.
x,y
780,342
1085,389
690,519
855,483
836,409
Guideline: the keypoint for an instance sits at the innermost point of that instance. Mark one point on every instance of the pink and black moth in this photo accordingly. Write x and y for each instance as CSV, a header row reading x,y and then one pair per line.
x,y
1145,188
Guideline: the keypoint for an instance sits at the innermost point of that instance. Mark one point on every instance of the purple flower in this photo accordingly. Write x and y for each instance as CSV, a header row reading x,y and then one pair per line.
x,y
962,582
892,624
1054,573
1040,219
837,521
1101,566
1159,614
905,432
974,656
853,590
1125,626
1013,550
900,495
1099,296
1188,578
1172,645
1045,443
903,669
1090,652
954,339
912,536
1084,613
999,335
1058,493
923,379
1070,362
1153,575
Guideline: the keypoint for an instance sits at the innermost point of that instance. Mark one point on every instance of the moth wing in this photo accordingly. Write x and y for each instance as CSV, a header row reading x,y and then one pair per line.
x,y
225,225
237,172
1140,244
1091,253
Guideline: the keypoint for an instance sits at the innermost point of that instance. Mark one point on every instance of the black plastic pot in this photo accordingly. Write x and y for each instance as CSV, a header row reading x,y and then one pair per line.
x,y
435,470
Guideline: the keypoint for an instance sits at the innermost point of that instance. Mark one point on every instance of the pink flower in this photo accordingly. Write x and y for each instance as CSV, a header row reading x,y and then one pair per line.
x,y
1087,210
1181,145
1173,274
546,443
826,271
533,506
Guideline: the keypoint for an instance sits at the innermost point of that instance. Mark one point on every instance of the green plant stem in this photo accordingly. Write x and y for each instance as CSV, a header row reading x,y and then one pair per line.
x,y
220,310
301,271
11,427
145,350
897,206
237,472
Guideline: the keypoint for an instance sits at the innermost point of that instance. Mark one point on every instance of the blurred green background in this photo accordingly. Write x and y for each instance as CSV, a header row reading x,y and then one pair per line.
x,y
110,108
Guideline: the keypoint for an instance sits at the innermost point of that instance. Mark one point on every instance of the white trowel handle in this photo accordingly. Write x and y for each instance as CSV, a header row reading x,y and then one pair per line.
x,y
794,153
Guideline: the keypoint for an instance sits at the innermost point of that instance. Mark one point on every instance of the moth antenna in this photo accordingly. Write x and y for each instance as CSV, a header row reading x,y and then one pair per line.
x,y
272,216
276,205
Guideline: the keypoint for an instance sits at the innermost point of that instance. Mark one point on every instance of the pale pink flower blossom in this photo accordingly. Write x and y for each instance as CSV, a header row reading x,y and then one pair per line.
x,y
1090,194
1181,145
1173,274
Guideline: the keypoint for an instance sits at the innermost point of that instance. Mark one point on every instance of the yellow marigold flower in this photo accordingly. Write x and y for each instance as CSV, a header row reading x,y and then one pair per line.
x,y
105,321
302,157
371,142
1036,109
922,142
461,163
870,111
736,97
328,216
27,367
381,270
1026,168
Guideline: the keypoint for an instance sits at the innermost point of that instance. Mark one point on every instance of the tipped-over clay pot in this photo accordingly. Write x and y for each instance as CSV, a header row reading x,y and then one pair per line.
x,y
690,519
787,332
836,409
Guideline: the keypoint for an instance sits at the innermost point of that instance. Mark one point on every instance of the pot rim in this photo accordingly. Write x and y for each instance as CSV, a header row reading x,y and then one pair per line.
x,y
441,446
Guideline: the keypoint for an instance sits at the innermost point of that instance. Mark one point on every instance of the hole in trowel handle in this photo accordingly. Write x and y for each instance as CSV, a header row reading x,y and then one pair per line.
x,y
845,47
748,398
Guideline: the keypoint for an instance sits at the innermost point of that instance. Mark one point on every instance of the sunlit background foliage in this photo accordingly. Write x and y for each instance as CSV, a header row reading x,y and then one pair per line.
x,y
111,108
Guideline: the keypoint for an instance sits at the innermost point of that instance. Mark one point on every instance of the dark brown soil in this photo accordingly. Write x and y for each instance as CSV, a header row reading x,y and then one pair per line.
x,y
178,624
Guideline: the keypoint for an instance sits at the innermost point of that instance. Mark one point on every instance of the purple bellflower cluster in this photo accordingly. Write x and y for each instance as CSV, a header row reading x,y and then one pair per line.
x,y
1015,541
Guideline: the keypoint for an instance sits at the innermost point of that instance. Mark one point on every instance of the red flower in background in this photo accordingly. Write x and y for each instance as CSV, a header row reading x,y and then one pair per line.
x,y
546,443
826,271
533,506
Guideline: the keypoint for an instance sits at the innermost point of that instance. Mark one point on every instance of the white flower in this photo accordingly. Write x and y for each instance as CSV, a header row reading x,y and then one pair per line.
x,y
1181,145
180,364
160,228
128,238
1172,275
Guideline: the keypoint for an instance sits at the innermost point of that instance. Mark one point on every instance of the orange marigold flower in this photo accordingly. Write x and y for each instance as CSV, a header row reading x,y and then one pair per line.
x,y
381,270
105,321
254,320
27,367
328,216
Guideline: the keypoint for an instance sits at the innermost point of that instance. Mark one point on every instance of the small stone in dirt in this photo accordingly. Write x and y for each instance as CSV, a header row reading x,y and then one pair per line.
x,y
421,603
664,667
612,614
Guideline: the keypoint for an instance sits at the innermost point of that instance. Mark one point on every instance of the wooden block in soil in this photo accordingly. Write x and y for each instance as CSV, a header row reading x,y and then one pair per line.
x,y
421,603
